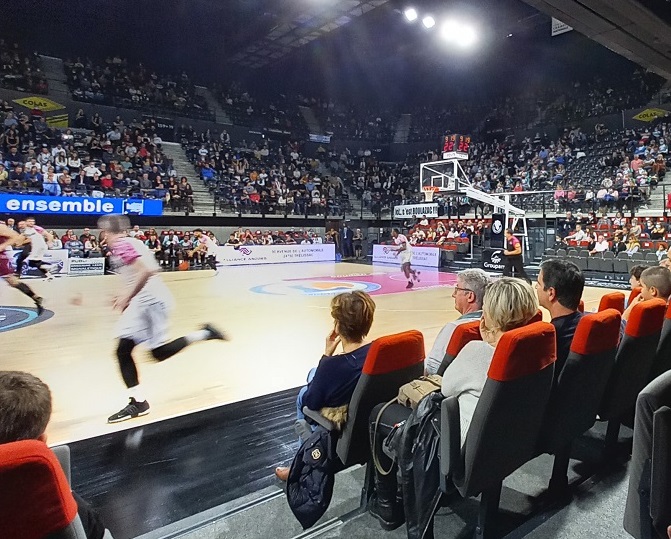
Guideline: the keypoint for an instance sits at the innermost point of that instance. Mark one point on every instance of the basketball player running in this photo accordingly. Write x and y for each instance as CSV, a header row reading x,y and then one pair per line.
x,y
205,244
405,250
38,249
8,239
145,305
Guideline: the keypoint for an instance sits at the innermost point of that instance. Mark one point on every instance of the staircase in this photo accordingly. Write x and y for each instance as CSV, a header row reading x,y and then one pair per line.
x,y
403,129
55,74
311,120
219,113
203,201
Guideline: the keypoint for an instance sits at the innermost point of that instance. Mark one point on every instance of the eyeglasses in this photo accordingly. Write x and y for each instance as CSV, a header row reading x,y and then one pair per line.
x,y
457,288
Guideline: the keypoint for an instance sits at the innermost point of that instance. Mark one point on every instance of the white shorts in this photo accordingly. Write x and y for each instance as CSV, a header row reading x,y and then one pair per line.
x,y
146,320
406,257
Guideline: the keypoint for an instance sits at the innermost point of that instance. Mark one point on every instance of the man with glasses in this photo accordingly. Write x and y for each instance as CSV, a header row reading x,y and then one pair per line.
x,y
467,294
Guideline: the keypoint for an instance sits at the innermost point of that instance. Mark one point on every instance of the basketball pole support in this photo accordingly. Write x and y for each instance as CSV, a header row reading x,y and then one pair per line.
x,y
460,183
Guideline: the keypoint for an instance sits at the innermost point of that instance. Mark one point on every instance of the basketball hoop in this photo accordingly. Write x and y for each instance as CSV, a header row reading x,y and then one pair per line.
x,y
429,191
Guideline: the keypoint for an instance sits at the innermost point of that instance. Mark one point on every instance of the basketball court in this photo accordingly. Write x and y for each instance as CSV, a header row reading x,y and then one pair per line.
x,y
277,317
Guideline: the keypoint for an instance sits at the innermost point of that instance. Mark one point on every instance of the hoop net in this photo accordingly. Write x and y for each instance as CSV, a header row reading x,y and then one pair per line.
x,y
429,191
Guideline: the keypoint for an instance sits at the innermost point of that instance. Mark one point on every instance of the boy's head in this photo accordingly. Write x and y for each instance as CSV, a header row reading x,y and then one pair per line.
x,y
25,402
656,283
635,275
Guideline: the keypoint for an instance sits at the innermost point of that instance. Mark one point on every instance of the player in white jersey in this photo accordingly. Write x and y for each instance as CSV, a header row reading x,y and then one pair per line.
x,y
38,248
207,246
145,307
404,250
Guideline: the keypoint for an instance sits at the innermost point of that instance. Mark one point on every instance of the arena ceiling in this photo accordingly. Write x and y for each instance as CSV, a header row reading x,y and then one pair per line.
x,y
636,29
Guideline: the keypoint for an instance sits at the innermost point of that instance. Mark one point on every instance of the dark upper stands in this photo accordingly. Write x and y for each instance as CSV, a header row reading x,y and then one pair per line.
x,y
20,70
134,86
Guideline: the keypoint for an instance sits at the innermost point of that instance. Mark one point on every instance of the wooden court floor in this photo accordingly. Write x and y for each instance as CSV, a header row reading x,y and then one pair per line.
x,y
277,318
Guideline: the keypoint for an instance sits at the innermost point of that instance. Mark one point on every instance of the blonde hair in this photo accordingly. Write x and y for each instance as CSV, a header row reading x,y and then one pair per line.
x,y
353,313
509,303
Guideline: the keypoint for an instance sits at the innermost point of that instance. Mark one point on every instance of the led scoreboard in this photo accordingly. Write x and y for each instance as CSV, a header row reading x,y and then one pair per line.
x,y
456,146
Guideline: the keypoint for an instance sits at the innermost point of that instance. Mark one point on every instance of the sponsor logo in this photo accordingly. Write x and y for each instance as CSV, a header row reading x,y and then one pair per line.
x,y
134,206
314,288
496,257
648,115
245,251
18,317
77,205
39,103
497,227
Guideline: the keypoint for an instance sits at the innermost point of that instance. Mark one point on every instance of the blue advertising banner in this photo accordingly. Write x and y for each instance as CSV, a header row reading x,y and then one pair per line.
x,y
37,204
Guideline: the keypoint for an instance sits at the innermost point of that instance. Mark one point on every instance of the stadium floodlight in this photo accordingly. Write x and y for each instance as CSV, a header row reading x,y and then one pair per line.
x,y
460,34
410,14
429,21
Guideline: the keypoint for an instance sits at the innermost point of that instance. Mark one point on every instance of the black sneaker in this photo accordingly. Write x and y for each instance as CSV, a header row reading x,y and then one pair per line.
x,y
409,285
215,334
131,410
38,303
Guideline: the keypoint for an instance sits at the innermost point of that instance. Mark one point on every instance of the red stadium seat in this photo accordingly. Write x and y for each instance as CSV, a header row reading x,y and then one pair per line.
x,y
633,294
462,335
613,300
579,388
633,364
35,497
504,430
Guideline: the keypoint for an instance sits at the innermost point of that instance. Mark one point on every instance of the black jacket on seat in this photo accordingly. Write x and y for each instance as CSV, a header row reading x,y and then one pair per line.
x,y
311,477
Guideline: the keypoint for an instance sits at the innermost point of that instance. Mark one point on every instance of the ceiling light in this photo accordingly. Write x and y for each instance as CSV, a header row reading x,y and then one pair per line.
x,y
410,14
429,21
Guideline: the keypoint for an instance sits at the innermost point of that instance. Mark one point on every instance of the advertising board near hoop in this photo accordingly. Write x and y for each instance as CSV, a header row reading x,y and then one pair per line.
x,y
274,254
493,259
421,256
408,210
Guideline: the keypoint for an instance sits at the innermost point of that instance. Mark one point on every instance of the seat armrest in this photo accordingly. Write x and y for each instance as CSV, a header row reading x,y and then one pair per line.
x,y
319,419
660,474
450,437
62,453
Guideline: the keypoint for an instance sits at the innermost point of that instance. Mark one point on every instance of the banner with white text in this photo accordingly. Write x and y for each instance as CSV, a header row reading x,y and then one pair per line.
x,y
275,254
416,210
43,204
421,256
86,266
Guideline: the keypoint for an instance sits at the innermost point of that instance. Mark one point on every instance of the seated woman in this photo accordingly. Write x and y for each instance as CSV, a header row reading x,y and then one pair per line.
x,y
508,303
331,384
632,245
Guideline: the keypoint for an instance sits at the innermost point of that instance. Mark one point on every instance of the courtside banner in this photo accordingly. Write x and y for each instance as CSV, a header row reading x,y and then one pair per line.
x,y
421,256
418,210
275,254
38,204
57,258
86,266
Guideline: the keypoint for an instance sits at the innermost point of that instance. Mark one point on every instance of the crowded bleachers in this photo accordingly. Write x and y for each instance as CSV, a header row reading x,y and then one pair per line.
x,y
21,70
118,83
112,161
268,179
349,122
598,97
280,113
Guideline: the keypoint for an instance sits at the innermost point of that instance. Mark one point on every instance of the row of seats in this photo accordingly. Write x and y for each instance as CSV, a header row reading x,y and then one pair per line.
x,y
606,262
520,414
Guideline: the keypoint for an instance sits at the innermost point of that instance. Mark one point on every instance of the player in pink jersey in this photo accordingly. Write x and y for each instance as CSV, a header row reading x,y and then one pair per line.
x,y
404,249
145,307
8,239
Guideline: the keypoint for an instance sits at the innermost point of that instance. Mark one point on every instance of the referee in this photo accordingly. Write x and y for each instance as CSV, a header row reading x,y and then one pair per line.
x,y
513,254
